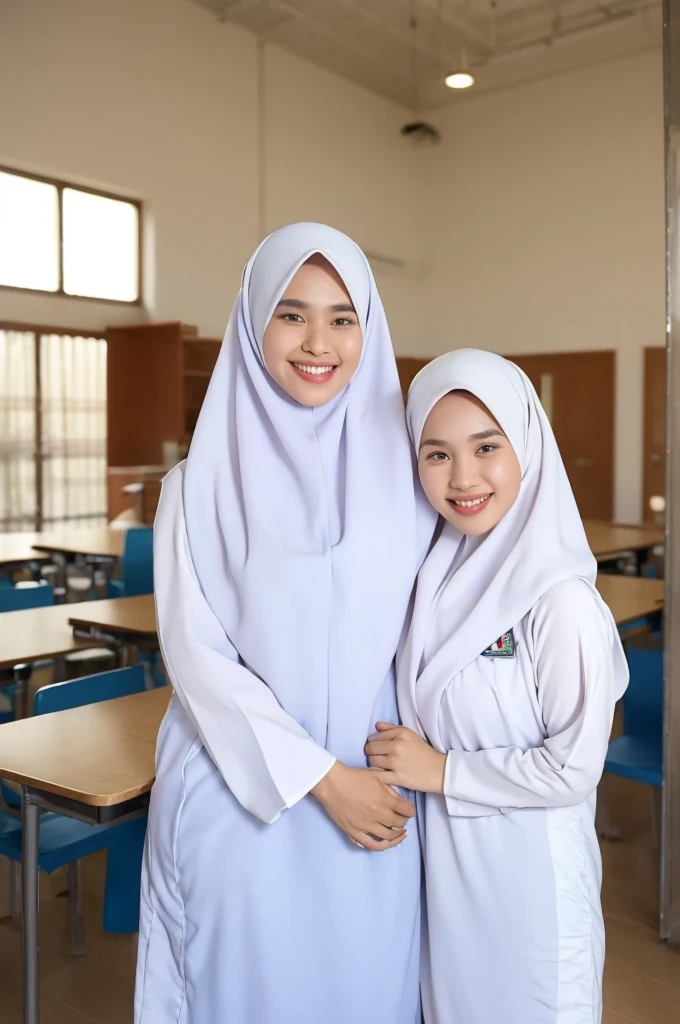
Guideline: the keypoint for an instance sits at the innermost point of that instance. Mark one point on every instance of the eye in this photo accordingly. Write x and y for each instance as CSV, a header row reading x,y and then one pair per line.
x,y
343,321
437,457
486,449
291,318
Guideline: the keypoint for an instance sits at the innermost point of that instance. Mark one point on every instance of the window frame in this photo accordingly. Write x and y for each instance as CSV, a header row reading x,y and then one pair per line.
x,y
60,185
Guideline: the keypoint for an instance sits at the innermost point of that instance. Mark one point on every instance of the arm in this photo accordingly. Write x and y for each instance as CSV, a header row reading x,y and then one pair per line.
x,y
574,669
266,758
575,675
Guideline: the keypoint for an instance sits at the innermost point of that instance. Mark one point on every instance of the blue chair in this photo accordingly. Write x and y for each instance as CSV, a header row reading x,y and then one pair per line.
x,y
66,841
638,753
23,596
136,565
15,599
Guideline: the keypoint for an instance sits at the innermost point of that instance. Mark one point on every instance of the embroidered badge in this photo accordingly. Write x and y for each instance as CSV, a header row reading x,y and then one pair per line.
x,y
504,647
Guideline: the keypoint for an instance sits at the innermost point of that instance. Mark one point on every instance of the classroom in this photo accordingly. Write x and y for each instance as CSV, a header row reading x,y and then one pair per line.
x,y
147,147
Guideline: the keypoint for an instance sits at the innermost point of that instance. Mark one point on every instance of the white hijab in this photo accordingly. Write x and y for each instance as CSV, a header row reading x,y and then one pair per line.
x,y
473,590
306,526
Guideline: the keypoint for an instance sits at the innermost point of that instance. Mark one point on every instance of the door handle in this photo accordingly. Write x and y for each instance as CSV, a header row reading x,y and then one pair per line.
x,y
583,460
656,459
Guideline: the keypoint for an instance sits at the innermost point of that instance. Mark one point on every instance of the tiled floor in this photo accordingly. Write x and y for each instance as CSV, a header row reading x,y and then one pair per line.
x,y
642,976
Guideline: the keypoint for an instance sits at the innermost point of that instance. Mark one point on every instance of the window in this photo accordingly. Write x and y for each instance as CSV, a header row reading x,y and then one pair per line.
x,y
57,238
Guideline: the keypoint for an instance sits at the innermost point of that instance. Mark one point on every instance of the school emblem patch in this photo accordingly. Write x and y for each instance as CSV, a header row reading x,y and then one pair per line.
x,y
504,647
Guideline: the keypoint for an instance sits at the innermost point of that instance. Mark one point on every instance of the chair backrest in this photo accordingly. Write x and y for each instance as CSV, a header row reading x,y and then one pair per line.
x,y
643,700
16,599
120,682
138,561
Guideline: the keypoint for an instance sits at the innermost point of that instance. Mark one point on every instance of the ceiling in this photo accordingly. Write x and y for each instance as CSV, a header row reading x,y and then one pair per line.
x,y
402,49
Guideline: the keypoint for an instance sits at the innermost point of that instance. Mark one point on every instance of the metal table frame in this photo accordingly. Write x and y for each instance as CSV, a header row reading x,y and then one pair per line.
x,y
34,802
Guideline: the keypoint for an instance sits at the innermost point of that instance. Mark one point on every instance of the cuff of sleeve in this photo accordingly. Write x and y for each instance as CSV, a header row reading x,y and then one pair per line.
x,y
323,765
461,808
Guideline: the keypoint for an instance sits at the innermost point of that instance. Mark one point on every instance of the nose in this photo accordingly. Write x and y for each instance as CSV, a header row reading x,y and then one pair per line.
x,y
464,475
315,342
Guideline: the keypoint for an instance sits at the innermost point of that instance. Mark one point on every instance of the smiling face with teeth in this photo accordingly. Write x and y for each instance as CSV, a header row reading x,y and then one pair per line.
x,y
312,344
468,468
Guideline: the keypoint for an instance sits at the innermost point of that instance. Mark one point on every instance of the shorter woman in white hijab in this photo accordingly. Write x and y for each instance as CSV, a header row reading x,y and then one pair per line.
x,y
507,683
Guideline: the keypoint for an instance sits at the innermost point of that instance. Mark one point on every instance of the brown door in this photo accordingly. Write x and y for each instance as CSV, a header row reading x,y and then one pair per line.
x,y
408,367
654,454
577,391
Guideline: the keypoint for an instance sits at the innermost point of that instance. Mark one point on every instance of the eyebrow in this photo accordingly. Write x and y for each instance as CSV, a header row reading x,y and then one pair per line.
x,y
339,307
482,435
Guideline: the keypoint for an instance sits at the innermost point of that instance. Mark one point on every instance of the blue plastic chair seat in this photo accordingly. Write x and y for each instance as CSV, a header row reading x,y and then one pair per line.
x,y
63,840
637,758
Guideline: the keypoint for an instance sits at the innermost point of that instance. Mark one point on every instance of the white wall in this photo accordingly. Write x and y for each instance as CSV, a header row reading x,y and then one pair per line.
x,y
540,217
157,99
546,230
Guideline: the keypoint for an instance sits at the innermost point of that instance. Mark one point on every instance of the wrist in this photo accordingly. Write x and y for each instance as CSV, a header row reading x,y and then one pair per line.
x,y
325,784
439,774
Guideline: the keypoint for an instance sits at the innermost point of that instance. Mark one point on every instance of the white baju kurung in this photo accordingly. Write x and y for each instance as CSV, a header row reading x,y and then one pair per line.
x,y
514,927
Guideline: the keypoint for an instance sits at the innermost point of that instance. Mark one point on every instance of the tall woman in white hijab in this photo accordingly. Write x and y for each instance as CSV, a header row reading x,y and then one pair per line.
x,y
507,680
285,551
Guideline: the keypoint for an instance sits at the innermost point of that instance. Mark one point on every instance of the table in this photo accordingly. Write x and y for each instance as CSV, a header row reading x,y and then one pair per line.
x,y
99,545
39,634
123,622
608,540
631,597
17,549
94,763
96,543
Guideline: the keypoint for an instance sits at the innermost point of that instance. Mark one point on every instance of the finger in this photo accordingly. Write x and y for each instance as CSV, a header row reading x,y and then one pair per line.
x,y
383,761
384,832
379,747
387,735
394,821
381,726
402,806
380,845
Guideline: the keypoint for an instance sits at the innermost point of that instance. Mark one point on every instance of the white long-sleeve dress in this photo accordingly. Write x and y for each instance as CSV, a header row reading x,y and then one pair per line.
x,y
514,930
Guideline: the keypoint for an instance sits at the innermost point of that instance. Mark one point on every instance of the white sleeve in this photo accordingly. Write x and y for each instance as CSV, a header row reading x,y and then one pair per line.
x,y
574,671
268,761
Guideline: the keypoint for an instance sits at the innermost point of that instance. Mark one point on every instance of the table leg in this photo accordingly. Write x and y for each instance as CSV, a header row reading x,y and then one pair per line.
x,y
61,579
128,654
30,816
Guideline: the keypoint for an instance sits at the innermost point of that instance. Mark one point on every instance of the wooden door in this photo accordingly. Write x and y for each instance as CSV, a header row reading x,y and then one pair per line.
x,y
577,392
654,452
408,367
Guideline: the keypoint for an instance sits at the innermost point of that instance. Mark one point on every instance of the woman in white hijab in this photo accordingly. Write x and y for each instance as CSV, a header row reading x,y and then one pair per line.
x,y
285,553
507,683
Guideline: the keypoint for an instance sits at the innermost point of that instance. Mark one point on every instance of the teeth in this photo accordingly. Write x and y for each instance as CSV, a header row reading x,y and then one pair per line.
x,y
471,504
314,370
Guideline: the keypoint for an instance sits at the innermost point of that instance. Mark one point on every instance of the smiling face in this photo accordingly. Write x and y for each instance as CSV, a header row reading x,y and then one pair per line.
x,y
312,344
468,468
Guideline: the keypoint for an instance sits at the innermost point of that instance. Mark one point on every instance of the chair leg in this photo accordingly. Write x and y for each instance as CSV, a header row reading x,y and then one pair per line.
x,y
123,877
75,908
15,890
603,824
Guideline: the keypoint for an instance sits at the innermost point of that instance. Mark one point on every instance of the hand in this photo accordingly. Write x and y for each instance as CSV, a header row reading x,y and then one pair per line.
x,y
407,760
364,806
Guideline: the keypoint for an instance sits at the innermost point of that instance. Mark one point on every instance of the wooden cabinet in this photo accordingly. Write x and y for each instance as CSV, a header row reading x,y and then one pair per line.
x,y
157,377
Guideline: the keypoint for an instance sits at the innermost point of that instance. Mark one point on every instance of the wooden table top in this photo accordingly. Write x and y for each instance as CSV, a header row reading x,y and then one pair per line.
x,y
124,615
100,542
631,597
41,633
17,548
100,754
608,540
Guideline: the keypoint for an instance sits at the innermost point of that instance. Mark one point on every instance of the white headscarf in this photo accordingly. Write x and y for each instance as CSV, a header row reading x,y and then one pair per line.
x,y
306,526
472,590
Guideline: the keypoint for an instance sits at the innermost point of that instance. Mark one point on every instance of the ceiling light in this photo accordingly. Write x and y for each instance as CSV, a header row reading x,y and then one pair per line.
x,y
459,80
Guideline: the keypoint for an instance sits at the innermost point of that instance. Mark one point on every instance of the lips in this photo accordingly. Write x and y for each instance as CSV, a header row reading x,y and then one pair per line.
x,y
314,373
470,506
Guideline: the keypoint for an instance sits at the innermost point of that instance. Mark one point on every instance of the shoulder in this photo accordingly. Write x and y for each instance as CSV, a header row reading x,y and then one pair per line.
x,y
572,610
174,480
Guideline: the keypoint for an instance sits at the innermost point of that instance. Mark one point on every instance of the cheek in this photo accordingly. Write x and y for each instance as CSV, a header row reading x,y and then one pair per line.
x,y
434,484
507,480
349,349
